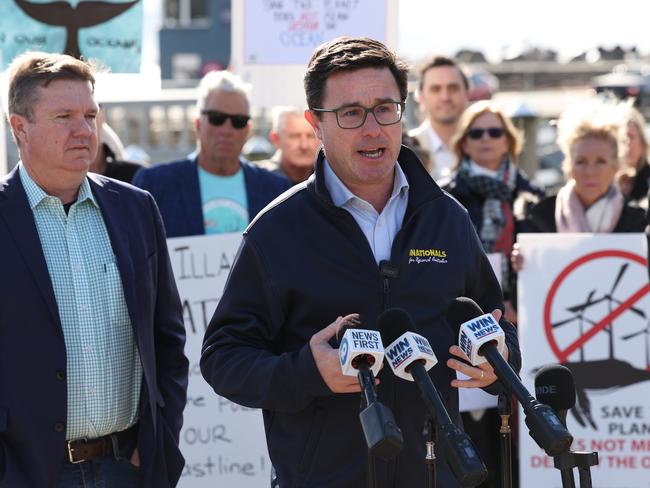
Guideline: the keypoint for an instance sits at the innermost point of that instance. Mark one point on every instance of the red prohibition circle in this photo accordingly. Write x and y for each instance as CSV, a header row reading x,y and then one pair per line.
x,y
609,253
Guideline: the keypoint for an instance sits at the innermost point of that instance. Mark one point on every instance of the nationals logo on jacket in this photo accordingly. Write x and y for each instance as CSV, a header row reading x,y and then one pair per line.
x,y
419,256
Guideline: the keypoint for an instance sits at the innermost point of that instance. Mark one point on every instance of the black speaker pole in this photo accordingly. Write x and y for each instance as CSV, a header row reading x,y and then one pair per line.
x,y
505,436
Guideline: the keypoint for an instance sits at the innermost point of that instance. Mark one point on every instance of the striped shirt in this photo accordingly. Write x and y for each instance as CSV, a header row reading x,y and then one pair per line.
x,y
104,373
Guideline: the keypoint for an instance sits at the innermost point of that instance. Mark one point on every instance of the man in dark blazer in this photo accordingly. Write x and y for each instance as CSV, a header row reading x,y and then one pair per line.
x,y
216,190
92,372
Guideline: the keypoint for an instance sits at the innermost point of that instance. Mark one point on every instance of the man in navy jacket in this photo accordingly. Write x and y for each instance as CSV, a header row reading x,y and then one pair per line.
x,y
93,377
217,190
368,231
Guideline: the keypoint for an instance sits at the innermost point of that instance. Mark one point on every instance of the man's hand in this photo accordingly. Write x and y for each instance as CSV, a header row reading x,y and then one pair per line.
x,y
478,376
510,313
135,458
327,360
516,258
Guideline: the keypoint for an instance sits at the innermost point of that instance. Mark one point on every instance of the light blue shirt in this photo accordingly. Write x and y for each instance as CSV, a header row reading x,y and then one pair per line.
x,y
224,202
103,371
379,228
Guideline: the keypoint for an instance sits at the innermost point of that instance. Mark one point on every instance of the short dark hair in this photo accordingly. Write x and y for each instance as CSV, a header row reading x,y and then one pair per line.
x,y
350,54
438,61
31,70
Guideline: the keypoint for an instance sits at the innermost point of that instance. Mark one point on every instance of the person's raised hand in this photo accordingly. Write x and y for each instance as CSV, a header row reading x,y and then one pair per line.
x,y
477,376
327,360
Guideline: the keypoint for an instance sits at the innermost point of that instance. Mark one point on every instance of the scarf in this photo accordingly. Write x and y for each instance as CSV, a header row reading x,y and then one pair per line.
x,y
601,217
497,228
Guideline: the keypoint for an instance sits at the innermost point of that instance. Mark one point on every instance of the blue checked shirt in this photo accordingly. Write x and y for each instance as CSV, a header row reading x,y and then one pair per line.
x,y
103,365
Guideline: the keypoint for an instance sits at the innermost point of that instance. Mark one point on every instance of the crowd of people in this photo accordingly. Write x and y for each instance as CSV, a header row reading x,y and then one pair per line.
x,y
353,195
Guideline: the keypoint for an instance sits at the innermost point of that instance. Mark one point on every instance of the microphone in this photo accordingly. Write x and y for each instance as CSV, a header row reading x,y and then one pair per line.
x,y
361,353
554,386
359,346
479,337
406,349
410,356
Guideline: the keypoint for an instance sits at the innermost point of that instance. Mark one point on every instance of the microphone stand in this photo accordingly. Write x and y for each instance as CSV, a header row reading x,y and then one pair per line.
x,y
565,462
368,396
371,470
505,410
430,459
584,461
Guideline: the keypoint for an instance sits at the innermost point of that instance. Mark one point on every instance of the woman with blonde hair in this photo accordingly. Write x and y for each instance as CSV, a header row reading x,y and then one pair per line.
x,y
590,201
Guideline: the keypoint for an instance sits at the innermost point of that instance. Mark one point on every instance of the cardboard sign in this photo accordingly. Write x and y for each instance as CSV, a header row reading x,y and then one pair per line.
x,y
223,443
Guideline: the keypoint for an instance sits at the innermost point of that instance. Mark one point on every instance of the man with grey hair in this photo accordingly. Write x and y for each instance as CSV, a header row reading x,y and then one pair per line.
x,y
216,190
296,144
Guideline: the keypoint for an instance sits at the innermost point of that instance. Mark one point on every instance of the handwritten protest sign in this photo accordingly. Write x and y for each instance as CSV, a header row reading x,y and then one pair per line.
x,y
287,32
223,443
272,40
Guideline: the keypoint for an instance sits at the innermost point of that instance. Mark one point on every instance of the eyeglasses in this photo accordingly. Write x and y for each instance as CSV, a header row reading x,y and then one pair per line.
x,y
353,116
217,118
493,132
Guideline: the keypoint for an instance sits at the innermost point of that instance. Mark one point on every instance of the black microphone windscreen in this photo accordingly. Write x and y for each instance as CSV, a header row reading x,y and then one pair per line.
x,y
554,386
461,310
394,322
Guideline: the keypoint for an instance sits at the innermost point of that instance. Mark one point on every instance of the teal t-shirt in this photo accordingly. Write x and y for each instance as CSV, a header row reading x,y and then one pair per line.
x,y
224,202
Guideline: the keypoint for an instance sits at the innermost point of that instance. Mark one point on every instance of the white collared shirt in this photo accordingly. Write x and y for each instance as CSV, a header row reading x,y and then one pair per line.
x,y
441,155
379,228
478,170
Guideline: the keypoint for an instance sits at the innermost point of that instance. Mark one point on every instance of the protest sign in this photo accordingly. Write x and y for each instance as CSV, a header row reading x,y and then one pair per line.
x,y
584,303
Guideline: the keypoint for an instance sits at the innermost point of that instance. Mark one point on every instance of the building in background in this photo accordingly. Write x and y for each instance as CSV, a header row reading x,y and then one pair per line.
x,y
194,39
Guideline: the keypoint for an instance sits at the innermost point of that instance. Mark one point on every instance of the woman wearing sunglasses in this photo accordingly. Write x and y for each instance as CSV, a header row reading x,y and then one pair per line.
x,y
487,181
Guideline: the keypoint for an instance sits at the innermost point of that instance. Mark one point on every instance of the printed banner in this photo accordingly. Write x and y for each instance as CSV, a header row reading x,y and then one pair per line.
x,y
584,303
107,30
288,31
223,443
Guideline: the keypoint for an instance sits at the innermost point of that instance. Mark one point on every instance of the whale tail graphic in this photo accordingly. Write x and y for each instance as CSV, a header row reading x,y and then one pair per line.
x,y
85,14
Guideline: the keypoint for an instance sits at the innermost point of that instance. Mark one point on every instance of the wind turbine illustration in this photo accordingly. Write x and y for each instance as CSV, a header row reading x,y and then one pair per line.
x,y
579,316
608,373
85,14
610,300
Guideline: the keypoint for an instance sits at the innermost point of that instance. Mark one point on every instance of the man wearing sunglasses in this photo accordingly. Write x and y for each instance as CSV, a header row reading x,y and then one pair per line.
x,y
368,231
216,190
